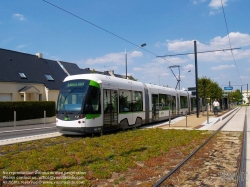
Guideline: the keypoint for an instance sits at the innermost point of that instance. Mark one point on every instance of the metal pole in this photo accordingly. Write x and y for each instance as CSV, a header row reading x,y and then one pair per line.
x,y
196,79
126,62
241,95
247,92
14,120
169,114
179,80
186,119
44,116
207,114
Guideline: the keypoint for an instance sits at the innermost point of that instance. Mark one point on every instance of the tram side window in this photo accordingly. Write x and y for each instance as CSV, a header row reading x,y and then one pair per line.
x,y
193,103
137,101
125,101
163,102
173,102
92,104
184,103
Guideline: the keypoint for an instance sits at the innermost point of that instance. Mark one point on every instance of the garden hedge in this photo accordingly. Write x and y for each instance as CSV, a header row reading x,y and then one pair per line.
x,y
26,110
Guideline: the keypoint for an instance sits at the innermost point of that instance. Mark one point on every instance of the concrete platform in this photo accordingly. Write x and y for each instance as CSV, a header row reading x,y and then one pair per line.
x,y
191,122
28,138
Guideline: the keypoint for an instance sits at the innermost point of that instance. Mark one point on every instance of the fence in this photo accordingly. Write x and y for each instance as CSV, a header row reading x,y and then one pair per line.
x,y
15,123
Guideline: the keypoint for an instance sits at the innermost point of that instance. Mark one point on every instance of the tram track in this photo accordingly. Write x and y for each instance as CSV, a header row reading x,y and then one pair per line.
x,y
212,158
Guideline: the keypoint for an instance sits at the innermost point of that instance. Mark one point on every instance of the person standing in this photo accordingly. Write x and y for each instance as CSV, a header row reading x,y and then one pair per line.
x,y
216,105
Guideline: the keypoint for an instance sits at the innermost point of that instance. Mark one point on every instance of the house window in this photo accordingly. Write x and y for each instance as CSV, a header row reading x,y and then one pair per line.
x,y
49,77
22,75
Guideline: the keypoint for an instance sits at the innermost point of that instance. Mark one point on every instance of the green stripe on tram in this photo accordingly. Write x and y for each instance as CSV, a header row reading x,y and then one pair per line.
x,y
91,116
93,83
130,112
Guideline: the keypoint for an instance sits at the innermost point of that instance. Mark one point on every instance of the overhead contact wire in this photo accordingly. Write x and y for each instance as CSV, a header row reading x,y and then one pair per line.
x,y
230,40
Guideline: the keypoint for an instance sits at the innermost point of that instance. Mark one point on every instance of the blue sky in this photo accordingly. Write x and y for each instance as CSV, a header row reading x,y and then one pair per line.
x,y
106,29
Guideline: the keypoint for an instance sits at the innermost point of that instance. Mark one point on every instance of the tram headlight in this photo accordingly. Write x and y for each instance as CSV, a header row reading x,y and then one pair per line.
x,y
79,117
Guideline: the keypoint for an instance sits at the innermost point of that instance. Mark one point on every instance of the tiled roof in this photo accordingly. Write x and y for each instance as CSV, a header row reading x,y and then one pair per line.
x,y
27,68
71,68
12,63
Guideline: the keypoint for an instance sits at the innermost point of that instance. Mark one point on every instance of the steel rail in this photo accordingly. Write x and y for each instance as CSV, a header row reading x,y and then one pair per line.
x,y
164,178
241,175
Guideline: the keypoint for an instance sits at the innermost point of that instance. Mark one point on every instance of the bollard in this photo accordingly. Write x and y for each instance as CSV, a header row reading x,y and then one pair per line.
x,y
14,120
169,116
44,117
207,114
186,118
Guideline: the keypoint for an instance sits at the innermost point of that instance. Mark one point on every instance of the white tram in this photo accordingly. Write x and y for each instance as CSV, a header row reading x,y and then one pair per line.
x,y
95,103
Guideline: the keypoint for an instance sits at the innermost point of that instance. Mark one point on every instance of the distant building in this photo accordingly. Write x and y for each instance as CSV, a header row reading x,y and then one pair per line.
x,y
245,94
26,77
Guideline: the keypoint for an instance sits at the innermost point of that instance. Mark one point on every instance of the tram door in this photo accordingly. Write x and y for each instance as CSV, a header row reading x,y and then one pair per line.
x,y
110,107
174,106
155,107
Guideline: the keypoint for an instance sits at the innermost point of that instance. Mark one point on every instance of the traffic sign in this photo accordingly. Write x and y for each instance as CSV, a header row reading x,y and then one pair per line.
x,y
228,88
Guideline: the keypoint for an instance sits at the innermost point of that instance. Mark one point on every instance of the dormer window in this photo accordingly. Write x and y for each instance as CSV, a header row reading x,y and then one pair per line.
x,y
22,75
49,77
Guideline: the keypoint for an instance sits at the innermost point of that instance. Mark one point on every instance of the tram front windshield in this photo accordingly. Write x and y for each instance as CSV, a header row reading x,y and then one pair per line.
x,y
72,96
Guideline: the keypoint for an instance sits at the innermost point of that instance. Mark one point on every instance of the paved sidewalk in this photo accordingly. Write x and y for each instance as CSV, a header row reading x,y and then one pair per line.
x,y
191,122
25,127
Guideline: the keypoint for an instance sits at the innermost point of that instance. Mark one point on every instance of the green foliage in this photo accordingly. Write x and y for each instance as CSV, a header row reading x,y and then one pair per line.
x,y
130,77
235,96
209,89
26,110
99,157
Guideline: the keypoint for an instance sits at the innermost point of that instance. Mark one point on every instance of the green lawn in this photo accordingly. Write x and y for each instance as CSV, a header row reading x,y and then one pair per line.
x,y
91,158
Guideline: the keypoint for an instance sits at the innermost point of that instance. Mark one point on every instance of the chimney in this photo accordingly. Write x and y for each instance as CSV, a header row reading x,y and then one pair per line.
x,y
111,72
39,55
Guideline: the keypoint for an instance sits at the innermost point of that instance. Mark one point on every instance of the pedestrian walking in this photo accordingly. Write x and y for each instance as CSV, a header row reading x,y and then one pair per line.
x,y
216,105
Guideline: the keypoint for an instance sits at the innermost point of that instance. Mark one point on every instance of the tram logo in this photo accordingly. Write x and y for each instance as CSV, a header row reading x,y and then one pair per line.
x,y
66,118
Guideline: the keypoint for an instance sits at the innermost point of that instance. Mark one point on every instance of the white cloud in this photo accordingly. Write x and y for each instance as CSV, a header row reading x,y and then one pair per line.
x,y
188,67
21,46
164,74
170,61
137,69
237,40
213,12
216,4
179,45
153,69
244,77
117,58
159,44
221,67
8,40
19,16
195,2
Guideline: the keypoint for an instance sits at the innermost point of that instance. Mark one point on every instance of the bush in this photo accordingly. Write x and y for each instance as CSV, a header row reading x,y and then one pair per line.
x,y
26,110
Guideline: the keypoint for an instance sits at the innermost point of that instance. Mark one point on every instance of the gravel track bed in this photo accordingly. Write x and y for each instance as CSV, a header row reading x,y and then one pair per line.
x,y
214,165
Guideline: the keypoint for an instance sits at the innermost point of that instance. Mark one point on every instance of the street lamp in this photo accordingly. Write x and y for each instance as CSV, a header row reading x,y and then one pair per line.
x,y
126,54
159,79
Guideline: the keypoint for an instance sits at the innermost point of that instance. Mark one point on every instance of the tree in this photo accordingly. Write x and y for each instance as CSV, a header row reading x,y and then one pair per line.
x,y
215,91
235,96
204,88
209,89
132,78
